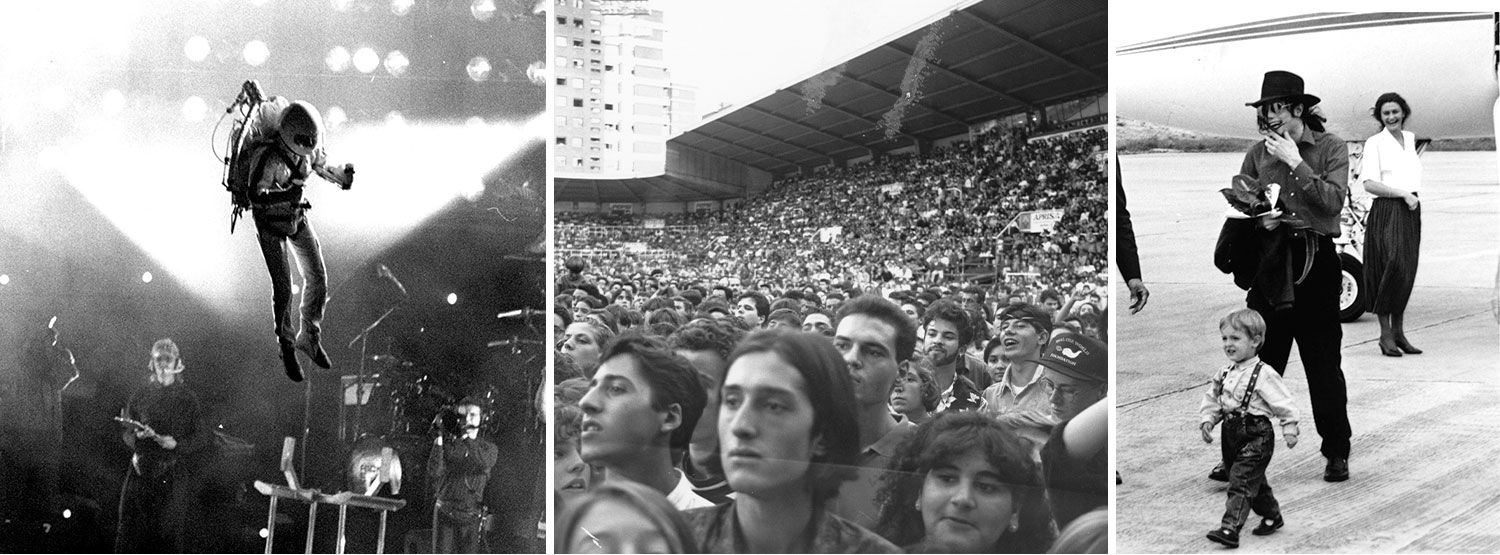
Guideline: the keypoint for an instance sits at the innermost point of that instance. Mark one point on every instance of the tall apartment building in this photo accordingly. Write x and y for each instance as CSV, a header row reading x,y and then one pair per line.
x,y
614,102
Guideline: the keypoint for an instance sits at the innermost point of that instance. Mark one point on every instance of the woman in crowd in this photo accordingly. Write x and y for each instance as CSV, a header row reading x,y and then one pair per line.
x,y
915,395
788,439
965,484
1392,172
624,517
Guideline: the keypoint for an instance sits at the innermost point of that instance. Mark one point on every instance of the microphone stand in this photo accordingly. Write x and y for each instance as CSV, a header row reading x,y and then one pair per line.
x,y
359,381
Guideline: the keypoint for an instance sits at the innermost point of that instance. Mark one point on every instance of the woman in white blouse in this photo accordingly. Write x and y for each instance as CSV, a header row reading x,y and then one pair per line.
x,y
1392,173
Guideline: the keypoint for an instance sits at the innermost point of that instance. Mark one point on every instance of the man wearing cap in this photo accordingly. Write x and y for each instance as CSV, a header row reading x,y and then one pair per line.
x,y
1312,168
1075,465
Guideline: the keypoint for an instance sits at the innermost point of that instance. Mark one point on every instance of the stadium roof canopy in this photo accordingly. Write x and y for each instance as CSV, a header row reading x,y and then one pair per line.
x,y
990,59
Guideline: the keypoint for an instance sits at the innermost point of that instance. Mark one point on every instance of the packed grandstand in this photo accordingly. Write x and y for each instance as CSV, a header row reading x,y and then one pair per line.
x,y
899,223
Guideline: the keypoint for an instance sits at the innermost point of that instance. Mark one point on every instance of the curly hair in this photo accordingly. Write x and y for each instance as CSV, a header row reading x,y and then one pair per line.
x,y
707,334
947,438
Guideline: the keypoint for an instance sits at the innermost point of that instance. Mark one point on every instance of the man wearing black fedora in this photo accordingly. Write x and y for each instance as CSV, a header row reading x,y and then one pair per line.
x,y
1312,167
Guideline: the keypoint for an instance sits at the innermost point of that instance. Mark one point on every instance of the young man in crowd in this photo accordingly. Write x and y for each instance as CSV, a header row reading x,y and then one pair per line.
x,y
707,344
960,378
1024,332
1075,464
639,414
872,336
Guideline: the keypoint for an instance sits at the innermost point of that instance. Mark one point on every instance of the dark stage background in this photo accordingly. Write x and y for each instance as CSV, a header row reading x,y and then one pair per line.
x,y
108,172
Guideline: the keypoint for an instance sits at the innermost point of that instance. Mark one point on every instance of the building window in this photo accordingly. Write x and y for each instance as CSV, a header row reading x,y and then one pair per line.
x,y
562,141
576,141
608,67
577,122
560,121
578,82
562,80
578,23
562,20
578,103
561,101
578,43
608,106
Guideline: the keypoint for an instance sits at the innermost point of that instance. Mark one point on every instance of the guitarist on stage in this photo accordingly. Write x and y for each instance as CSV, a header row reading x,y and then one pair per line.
x,y
286,148
161,510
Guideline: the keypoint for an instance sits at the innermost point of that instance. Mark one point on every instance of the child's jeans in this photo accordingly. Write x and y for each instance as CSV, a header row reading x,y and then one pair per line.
x,y
1247,443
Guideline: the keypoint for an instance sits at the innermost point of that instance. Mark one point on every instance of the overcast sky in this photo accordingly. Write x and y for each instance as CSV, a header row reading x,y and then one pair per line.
x,y
1444,70
737,51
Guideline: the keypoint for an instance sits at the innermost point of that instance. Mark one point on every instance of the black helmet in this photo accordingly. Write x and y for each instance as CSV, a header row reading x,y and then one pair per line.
x,y
301,128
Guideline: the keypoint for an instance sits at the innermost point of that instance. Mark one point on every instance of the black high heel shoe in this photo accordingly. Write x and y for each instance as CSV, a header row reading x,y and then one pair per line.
x,y
1407,347
1389,351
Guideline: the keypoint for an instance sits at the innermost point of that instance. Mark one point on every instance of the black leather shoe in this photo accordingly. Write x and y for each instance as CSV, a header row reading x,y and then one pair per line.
x,y
1391,351
1337,471
1219,473
289,362
1407,348
1268,526
313,348
1226,536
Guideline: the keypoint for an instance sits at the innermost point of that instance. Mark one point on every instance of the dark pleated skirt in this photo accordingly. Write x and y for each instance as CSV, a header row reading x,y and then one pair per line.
x,y
1393,239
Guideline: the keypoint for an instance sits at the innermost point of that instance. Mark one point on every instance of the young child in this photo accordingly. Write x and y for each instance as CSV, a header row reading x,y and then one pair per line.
x,y
1244,395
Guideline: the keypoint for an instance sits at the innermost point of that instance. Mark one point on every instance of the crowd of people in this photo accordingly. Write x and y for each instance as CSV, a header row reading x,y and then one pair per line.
x,y
746,387
920,220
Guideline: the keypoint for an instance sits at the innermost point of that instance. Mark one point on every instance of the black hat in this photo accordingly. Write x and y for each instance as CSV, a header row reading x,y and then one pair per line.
x,y
1077,356
1283,85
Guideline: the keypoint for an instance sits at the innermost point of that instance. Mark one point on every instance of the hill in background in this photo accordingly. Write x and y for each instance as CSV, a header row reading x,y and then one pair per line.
x,y
1135,137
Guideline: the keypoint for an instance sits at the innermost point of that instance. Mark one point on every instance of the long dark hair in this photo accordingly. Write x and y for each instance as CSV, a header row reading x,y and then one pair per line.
x,y
832,396
949,437
1390,97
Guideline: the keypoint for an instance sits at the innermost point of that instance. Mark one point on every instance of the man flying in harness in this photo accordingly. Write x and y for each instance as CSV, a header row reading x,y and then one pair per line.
x,y
285,149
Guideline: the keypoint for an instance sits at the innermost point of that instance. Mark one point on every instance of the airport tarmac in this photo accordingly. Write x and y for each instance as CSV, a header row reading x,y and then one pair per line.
x,y
1425,463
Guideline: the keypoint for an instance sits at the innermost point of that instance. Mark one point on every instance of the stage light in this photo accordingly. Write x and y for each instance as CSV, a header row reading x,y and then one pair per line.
x,y
296,289
402,7
256,53
396,63
264,533
395,119
55,99
196,48
51,158
335,117
483,10
4,279
365,59
194,109
114,102
146,277
478,68
67,514
337,59
453,298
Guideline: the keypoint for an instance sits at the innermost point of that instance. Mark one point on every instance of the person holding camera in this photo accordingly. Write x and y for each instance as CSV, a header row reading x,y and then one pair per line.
x,y
457,471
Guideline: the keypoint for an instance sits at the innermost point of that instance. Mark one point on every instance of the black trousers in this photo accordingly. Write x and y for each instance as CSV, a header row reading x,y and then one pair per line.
x,y
458,533
1313,321
1247,444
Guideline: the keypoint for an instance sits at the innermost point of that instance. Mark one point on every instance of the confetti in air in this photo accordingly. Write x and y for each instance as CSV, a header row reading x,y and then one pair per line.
x,y
922,62
816,88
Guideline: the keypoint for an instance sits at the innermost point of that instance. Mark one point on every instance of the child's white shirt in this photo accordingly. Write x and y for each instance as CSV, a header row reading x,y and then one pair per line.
x,y
1271,399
